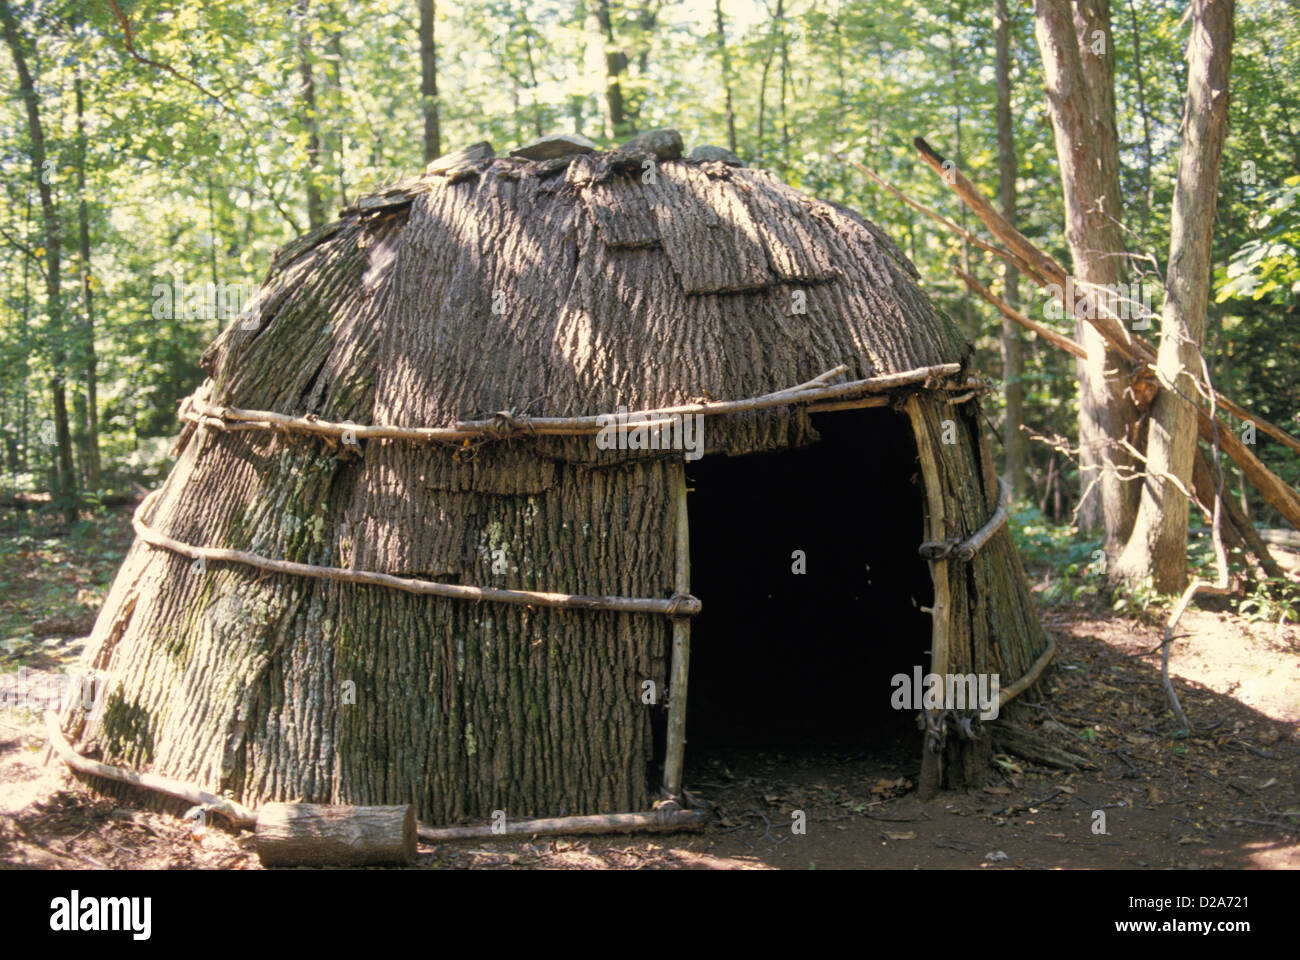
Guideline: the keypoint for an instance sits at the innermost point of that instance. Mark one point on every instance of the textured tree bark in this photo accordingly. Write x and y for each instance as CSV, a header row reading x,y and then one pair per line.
x,y
1157,549
307,834
1013,343
1077,51
277,687
989,624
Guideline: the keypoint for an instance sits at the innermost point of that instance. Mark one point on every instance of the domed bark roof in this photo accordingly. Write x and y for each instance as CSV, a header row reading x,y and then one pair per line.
x,y
571,286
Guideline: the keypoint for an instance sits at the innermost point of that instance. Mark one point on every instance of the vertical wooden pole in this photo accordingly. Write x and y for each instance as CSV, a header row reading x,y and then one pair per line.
x,y
931,767
681,646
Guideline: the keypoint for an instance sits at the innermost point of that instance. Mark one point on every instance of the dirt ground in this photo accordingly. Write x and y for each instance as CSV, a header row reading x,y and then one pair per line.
x,y
1228,796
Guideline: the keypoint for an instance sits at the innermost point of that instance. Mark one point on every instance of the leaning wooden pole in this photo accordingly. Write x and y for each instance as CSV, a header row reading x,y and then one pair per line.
x,y
1236,524
1276,492
681,661
236,813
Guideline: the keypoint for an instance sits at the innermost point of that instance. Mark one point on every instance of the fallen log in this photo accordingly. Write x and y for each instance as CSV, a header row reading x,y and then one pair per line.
x,y
317,834
313,834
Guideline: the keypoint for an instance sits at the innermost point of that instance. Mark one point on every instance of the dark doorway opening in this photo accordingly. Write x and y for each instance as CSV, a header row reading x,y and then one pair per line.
x,y
795,661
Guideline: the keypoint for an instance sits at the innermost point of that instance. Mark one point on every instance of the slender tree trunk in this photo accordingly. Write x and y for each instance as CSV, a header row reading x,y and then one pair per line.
x,y
88,356
726,75
1158,547
24,436
954,72
1013,346
1077,51
214,270
535,108
1146,119
616,115
647,19
334,141
310,120
429,81
762,103
65,479
785,82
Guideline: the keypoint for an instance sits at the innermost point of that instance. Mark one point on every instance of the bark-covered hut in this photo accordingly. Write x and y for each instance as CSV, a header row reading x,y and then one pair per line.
x,y
368,578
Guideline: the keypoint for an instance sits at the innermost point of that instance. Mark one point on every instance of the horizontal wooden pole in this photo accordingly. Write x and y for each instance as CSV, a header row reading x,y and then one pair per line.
x,y
285,830
680,606
655,821
814,390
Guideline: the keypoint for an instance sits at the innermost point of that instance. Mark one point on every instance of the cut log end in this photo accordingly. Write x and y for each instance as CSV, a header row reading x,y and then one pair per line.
x,y
308,834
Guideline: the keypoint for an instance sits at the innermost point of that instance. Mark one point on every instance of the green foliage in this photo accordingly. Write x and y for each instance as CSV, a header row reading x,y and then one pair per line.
x,y
1273,600
1268,266
1141,600
197,170
1073,567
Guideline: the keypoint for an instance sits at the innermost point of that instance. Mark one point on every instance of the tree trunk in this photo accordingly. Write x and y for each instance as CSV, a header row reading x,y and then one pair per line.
x,y
1146,118
311,122
726,75
615,68
429,81
954,74
1081,101
336,137
1158,547
1013,344
64,485
762,104
785,82
525,28
88,357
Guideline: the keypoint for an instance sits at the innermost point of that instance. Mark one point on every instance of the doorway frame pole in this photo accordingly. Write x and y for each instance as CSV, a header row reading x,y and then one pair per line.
x,y
681,660
931,778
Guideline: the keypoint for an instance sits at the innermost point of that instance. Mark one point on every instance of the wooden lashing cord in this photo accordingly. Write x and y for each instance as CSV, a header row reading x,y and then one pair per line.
x,y
681,604
966,550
